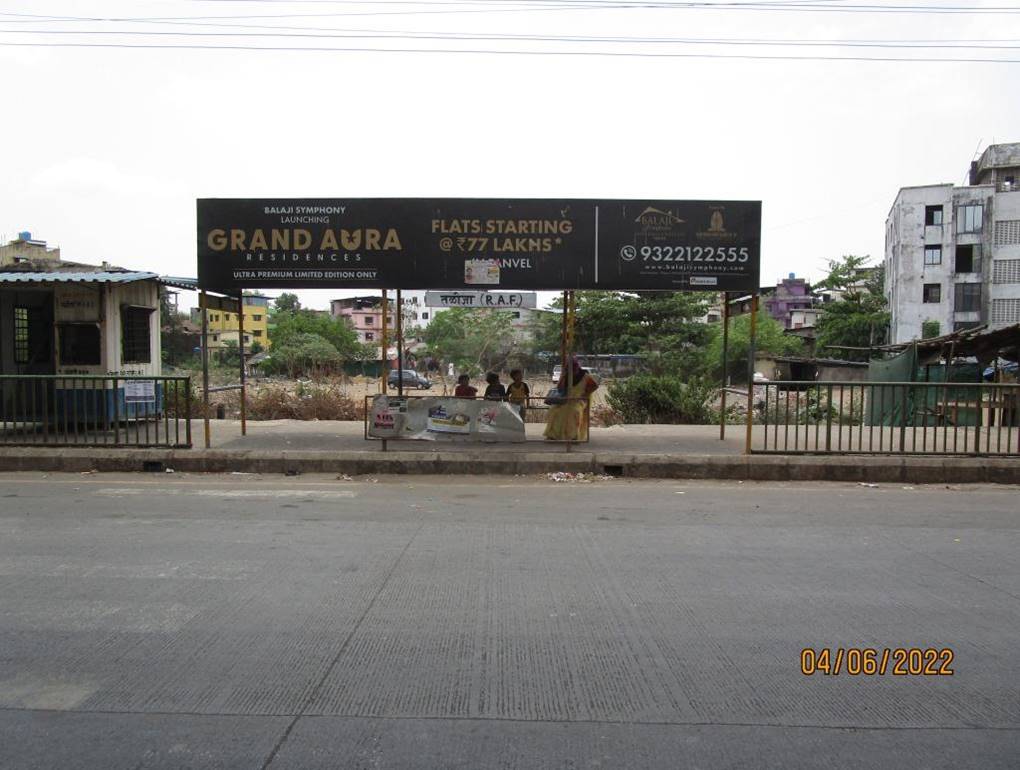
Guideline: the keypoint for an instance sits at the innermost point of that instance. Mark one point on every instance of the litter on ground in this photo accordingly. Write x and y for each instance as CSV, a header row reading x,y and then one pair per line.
x,y
577,478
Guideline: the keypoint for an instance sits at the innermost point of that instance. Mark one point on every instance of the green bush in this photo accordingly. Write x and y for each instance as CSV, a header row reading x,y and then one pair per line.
x,y
653,398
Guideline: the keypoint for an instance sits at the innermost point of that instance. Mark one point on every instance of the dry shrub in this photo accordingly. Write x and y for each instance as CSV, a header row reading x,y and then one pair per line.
x,y
321,401
604,416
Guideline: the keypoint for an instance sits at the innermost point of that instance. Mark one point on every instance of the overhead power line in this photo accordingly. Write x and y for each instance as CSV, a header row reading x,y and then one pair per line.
x,y
476,36
809,6
504,52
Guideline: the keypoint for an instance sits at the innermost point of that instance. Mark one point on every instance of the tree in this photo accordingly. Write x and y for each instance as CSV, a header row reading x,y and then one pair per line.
x,y
304,353
230,354
472,340
175,342
860,317
769,338
287,302
664,326
290,323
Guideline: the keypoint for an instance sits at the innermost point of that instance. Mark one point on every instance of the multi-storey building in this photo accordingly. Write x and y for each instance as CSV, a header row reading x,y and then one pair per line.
x,y
952,254
223,326
24,248
364,314
792,303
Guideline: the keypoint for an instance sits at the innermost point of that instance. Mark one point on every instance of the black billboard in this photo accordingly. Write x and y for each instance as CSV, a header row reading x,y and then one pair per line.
x,y
478,243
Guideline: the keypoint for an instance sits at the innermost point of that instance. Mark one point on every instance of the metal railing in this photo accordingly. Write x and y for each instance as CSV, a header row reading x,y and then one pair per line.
x,y
920,418
95,410
536,413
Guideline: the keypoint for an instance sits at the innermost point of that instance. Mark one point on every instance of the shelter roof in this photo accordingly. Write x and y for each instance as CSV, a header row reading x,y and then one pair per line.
x,y
64,271
75,277
977,342
819,361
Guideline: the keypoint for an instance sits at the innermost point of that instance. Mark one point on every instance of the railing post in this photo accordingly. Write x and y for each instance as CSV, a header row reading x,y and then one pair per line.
x,y
828,419
187,410
979,401
116,413
903,418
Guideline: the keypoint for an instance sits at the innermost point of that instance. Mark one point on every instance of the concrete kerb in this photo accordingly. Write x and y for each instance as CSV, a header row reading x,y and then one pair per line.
x,y
872,469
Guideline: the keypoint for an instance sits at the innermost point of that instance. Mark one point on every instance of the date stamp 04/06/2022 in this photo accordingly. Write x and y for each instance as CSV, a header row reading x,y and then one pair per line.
x,y
874,661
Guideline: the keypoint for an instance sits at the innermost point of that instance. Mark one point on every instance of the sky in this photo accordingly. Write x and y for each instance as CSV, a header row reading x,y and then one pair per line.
x,y
119,114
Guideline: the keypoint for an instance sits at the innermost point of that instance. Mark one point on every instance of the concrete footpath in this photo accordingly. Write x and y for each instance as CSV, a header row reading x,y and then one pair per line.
x,y
634,451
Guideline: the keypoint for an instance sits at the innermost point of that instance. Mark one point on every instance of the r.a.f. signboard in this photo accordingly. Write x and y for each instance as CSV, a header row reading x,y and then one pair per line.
x,y
479,244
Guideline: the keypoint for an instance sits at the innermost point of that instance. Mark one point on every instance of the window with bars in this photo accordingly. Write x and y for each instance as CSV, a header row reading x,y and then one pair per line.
x,y
1007,232
136,344
933,255
932,215
932,292
1006,311
22,347
968,297
1006,271
970,219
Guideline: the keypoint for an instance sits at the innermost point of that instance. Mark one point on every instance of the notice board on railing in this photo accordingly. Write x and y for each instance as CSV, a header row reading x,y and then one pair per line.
x,y
478,243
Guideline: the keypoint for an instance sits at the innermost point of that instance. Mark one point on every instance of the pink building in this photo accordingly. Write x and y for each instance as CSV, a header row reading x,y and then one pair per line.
x,y
791,303
364,314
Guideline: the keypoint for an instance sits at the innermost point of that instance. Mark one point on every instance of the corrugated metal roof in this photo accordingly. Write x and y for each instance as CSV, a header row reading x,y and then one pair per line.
x,y
179,282
75,277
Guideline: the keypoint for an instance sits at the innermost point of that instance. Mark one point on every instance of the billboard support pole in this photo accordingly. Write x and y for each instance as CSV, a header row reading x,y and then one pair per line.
x,y
750,372
385,341
400,345
205,364
385,359
240,350
725,363
563,336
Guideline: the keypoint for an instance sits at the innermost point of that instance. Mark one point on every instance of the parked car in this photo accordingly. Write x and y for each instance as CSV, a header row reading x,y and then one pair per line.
x,y
557,372
411,380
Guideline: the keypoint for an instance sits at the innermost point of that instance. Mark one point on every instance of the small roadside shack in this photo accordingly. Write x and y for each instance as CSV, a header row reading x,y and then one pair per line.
x,y
80,353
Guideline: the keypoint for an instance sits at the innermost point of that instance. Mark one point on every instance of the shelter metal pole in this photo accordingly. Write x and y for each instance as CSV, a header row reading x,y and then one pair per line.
x,y
725,362
563,337
400,345
570,351
240,350
385,348
750,372
205,364
385,340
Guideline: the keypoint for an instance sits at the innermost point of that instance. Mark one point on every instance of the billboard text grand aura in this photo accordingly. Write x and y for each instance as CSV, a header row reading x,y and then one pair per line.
x,y
478,243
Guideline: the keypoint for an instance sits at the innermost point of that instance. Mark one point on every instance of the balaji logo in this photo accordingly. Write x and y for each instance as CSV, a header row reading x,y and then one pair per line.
x,y
715,224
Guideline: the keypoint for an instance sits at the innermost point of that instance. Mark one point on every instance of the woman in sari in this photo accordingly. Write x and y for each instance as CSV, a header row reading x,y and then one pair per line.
x,y
569,421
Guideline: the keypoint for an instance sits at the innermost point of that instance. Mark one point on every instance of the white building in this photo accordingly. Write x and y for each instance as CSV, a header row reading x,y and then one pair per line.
x,y
952,254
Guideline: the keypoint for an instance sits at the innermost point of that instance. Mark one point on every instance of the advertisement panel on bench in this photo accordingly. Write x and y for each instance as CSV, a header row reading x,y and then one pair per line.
x,y
436,418
478,244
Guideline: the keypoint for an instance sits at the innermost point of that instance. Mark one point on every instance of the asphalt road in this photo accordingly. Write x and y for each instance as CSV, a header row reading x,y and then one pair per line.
x,y
242,621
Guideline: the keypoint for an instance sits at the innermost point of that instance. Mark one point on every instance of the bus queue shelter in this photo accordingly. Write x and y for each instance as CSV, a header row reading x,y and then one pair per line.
x,y
394,244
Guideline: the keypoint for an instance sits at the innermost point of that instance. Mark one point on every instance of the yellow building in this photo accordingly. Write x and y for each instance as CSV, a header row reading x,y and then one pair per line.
x,y
223,326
